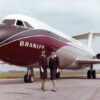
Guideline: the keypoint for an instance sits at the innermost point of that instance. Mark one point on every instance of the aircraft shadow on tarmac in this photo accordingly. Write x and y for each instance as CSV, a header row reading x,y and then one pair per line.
x,y
78,77
21,81
21,93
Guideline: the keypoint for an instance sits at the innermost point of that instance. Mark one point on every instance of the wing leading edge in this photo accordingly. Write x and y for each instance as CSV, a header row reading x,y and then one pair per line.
x,y
86,36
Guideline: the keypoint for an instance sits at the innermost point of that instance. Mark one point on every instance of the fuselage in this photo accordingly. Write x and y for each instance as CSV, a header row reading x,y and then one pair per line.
x,y
21,44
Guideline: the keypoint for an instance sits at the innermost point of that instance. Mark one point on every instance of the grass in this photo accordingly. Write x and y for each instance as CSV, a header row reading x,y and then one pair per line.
x,y
15,75
11,75
72,73
21,75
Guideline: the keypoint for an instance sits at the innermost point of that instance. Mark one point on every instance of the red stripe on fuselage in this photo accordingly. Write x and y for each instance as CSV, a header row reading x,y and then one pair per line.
x,y
15,54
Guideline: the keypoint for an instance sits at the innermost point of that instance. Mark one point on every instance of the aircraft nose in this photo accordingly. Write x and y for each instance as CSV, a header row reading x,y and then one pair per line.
x,y
7,31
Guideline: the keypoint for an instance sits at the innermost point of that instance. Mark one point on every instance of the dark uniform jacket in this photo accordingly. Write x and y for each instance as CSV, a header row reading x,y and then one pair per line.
x,y
54,62
43,61
43,64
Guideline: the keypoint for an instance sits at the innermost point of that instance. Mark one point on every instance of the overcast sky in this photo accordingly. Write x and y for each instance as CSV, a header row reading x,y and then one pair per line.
x,y
69,16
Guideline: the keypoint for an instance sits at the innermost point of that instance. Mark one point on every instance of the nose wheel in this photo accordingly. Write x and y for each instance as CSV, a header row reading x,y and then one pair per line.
x,y
29,77
91,74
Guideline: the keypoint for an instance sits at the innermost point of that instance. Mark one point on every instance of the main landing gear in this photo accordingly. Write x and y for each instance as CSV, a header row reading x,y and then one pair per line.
x,y
29,77
91,74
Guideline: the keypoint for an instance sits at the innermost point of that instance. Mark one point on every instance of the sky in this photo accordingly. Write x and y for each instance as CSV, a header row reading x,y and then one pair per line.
x,y
72,17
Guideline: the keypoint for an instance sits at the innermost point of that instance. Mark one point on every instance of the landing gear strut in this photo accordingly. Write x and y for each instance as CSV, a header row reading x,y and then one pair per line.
x,y
91,73
29,77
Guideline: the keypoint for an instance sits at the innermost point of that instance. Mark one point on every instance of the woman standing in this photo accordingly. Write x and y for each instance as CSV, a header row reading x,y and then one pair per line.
x,y
43,68
53,64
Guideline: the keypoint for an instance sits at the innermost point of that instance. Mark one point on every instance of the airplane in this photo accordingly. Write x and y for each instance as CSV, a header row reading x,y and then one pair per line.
x,y
22,38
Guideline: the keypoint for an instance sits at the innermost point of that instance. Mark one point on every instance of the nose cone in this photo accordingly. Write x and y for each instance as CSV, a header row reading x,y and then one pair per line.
x,y
7,31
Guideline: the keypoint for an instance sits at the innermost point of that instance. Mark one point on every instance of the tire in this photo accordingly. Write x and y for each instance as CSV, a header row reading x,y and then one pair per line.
x,y
94,74
58,75
89,74
26,78
31,78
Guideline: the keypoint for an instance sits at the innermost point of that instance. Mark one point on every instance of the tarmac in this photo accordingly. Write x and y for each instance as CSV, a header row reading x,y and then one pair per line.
x,y
68,88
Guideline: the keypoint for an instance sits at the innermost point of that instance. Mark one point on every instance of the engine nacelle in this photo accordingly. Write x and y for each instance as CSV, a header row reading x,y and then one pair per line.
x,y
98,56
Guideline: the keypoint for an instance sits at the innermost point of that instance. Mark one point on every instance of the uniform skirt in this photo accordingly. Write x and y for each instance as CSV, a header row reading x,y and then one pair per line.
x,y
53,73
43,75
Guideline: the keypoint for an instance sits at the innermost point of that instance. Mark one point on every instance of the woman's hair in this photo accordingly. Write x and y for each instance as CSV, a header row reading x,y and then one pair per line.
x,y
42,49
52,50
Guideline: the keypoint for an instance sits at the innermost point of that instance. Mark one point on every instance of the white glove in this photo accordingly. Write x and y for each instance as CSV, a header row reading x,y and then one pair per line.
x,y
42,69
58,70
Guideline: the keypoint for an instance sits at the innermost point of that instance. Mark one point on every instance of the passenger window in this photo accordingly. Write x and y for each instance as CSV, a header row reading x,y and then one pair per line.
x,y
28,25
19,23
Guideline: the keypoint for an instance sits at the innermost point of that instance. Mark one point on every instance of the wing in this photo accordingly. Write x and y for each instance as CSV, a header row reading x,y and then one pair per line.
x,y
90,36
85,36
88,61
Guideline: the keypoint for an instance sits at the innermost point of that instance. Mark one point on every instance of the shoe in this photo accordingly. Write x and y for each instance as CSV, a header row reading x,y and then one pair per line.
x,y
53,90
43,89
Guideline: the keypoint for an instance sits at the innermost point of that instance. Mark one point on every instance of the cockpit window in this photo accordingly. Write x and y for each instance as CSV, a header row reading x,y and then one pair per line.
x,y
19,23
28,25
9,22
12,22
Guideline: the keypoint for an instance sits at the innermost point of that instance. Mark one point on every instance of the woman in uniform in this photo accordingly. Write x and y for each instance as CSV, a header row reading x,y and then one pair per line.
x,y
43,68
53,64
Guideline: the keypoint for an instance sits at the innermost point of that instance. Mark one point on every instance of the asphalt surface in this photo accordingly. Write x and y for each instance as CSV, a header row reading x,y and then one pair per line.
x,y
68,88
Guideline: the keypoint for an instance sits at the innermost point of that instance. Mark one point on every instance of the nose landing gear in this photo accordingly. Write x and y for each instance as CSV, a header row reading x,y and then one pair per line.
x,y
29,77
